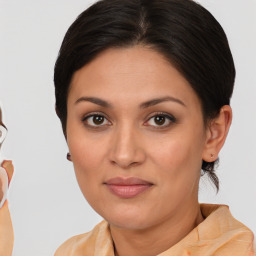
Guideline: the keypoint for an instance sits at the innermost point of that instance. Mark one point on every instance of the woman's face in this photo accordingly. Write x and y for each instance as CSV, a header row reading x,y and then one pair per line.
x,y
136,136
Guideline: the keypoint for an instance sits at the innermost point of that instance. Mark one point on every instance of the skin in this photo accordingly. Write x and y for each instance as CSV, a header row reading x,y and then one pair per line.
x,y
6,230
130,143
7,165
1,191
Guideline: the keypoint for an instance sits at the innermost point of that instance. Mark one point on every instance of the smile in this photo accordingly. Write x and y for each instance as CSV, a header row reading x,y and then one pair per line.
x,y
127,187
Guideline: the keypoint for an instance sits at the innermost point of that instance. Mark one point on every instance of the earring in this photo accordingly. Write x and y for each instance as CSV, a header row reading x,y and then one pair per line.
x,y
69,157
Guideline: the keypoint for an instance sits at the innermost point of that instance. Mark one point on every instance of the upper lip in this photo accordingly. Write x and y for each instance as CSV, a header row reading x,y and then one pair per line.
x,y
127,181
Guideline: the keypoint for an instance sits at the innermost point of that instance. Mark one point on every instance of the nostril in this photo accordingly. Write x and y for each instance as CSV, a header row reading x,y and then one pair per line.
x,y
124,165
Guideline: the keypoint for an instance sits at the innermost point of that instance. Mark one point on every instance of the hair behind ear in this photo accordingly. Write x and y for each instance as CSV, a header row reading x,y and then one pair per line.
x,y
217,131
209,169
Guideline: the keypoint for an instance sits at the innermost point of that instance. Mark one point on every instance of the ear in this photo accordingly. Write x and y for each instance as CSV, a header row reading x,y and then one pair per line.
x,y
216,134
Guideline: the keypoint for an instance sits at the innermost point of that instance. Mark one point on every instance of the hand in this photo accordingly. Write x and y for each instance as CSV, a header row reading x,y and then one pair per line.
x,y
7,165
6,171
1,190
6,230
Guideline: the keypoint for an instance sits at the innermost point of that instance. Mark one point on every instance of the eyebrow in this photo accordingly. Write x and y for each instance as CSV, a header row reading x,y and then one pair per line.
x,y
160,100
94,100
146,104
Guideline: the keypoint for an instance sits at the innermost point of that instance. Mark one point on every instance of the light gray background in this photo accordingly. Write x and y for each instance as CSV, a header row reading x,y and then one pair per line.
x,y
45,201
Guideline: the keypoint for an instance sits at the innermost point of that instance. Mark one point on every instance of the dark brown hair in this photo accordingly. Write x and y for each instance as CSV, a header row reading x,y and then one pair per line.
x,y
184,32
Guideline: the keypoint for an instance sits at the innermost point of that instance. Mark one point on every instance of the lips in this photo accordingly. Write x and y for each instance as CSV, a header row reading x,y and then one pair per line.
x,y
127,187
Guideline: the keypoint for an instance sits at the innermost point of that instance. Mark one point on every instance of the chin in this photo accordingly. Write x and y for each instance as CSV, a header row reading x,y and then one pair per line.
x,y
133,219
129,223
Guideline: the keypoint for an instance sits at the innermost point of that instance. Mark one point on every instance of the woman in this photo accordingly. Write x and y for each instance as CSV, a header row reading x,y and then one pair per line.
x,y
143,93
6,172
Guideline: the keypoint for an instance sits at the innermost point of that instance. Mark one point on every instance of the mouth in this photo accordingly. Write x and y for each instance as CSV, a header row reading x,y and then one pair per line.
x,y
127,187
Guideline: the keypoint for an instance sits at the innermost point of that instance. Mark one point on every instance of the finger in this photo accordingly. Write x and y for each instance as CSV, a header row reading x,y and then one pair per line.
x,y
7,165
6,231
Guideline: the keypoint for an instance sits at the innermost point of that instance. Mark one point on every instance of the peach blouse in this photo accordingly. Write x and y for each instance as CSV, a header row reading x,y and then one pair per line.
x,y
220,234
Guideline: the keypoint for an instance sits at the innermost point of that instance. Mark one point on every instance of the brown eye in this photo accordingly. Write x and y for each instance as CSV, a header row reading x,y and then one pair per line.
x,y
161,121
96,120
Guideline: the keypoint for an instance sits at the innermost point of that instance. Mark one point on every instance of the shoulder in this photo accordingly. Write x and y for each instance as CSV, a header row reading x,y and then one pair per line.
x,y
88,243
224,232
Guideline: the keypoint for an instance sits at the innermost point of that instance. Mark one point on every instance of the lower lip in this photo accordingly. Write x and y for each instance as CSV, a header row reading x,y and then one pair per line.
x,y
128,191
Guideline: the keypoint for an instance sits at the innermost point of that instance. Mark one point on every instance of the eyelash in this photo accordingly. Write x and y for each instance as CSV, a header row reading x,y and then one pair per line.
x,y
169,117
85,119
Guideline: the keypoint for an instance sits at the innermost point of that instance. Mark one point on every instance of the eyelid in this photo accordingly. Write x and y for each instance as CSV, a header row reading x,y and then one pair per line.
x,y
95,114
170,116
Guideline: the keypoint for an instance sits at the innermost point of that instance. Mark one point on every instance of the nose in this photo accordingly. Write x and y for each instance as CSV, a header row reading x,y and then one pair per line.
x,y
126,148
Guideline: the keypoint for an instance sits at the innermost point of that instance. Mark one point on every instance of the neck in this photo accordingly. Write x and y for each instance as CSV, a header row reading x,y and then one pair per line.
x,y
159,238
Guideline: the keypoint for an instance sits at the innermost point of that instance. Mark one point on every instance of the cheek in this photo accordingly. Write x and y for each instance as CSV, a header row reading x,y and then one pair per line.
x,y
88,154
177,152
84,153
179,159
86,161
178,174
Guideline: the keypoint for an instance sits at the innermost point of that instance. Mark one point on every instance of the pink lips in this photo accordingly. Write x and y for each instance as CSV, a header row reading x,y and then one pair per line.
x,y
127,187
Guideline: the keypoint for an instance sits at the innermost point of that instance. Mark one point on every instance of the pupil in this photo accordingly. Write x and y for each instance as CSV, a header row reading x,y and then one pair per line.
x,y
159,120
98,119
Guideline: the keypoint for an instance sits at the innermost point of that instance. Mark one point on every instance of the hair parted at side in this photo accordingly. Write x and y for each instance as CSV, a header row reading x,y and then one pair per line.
x,y
183,31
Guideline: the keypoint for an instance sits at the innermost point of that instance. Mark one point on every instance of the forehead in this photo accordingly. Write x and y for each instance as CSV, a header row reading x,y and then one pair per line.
x,y
130,72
